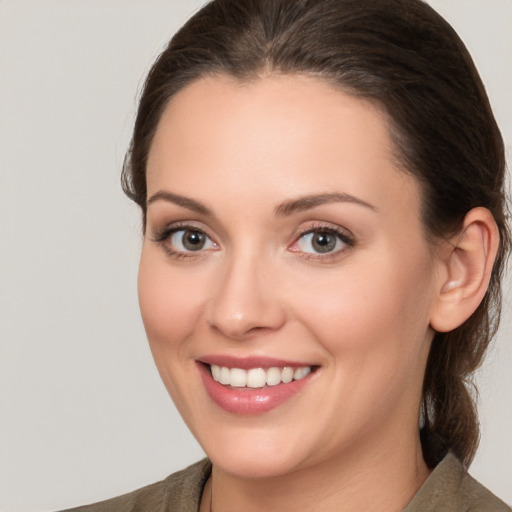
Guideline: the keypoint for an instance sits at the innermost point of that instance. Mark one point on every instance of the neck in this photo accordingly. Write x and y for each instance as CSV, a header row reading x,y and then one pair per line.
x,y
379,480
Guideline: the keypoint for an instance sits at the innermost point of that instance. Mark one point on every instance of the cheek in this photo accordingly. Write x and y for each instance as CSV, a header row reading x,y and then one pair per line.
x,y
169,311
374,312
373,326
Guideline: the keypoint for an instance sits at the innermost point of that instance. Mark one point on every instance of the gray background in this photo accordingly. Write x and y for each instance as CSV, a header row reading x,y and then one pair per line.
x,y
83,413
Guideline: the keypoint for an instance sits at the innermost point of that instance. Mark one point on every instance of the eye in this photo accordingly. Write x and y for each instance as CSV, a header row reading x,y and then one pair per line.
x,y
183,241
189,240
322,240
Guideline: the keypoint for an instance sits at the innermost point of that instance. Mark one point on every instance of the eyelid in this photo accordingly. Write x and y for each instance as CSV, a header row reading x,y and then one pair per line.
x,y
163,234
160,233
343,234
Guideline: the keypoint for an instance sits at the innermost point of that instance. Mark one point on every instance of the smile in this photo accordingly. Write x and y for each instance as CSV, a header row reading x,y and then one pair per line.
x,y
257,377
255,385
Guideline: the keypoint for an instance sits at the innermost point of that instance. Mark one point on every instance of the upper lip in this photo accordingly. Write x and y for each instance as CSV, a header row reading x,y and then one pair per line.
x,y
246,363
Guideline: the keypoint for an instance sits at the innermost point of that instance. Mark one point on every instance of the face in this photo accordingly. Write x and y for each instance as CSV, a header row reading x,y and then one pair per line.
x,y
284,254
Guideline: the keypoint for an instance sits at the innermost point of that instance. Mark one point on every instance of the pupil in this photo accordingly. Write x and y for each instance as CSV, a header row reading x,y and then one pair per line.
x,y
324,242
193,240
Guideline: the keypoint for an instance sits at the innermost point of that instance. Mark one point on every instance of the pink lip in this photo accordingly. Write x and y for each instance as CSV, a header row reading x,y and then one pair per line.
x,y
246,363
246,401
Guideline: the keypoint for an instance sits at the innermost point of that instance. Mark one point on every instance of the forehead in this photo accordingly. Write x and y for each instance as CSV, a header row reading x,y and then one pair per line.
x,y
274,110
280,133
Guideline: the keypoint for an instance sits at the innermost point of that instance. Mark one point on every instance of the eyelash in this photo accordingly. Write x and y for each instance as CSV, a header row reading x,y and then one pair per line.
x,y
341,234
163,235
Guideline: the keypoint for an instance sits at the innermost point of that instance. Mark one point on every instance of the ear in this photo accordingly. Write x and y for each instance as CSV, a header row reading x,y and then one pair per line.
x,y
465,266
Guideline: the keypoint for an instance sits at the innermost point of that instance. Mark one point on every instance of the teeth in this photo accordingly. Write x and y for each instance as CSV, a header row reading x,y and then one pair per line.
x,y
238,377
215,372
300,373
257,377
287,375
273,376
225,376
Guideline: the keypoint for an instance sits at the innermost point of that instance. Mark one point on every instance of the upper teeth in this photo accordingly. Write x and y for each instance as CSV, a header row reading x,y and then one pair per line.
x,y
257,377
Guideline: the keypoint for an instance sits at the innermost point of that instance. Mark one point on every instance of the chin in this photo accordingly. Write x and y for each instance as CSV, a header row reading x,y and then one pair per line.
x,y
253,453
253,466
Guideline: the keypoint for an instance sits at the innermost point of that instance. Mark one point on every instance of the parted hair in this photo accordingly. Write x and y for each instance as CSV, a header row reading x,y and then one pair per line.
x,y
405,57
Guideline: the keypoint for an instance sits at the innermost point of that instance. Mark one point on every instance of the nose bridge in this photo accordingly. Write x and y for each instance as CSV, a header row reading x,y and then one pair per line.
x,y
246,300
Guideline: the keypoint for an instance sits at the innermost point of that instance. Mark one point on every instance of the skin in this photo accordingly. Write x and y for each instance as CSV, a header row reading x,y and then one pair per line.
x,y
362,313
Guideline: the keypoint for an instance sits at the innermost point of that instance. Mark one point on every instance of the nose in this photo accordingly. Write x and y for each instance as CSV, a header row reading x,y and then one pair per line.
x,y
246,300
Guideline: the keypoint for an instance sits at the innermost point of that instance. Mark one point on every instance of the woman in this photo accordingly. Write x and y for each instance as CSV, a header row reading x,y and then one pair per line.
x,y
321,184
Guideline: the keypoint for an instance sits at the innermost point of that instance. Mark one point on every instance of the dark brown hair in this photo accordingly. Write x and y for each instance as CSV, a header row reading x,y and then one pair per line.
x,y
404,56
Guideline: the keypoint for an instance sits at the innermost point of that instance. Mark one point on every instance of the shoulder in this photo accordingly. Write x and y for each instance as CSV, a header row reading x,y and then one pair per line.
x,y
451,489
180,491
480,498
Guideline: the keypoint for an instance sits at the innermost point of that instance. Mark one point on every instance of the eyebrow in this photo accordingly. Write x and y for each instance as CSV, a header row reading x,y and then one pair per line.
x,y
289,207
186,202
304,203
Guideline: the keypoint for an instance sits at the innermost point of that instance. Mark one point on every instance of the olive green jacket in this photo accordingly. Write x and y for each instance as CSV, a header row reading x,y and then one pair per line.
x,y
448,489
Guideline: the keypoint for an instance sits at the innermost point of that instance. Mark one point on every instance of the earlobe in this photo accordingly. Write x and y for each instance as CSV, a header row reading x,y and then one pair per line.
x,y
467,264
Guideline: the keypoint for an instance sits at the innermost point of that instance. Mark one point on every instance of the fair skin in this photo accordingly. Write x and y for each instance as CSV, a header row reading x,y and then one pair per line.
x,y
238,270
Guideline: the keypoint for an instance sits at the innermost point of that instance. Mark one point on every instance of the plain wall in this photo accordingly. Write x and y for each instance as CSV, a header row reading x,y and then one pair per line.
x,y
83,415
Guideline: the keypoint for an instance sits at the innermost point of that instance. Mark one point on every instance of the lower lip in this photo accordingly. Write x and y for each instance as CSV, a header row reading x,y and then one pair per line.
x,y
249,401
